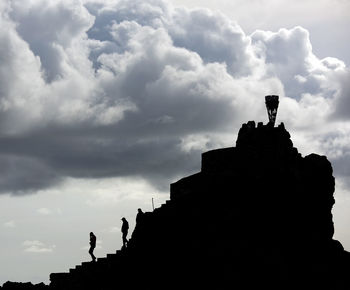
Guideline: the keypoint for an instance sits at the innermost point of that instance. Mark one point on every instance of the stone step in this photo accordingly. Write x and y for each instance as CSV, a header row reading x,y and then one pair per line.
x,y
88,264
102,260
59,279
87,267
110,260
59,276
109,256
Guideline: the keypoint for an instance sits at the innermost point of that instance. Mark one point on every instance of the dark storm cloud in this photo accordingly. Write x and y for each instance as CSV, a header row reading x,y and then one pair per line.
x,y
342,110
140,88
77,157
21,175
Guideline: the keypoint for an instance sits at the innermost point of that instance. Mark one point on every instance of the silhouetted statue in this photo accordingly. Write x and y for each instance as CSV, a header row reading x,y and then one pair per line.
x,y
271,102
139,215
125,229
92,246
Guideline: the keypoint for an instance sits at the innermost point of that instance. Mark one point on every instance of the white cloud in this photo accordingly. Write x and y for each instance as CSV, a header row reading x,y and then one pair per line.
x,y
9,224
36,246
114,230
62,25
44,211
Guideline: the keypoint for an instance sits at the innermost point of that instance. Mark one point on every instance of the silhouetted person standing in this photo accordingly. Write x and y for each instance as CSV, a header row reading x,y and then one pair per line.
x,y
125,229
139,215
92,246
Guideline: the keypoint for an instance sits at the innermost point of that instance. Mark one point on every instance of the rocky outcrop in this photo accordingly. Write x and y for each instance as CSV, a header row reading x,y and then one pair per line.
x,y
256,215
23,286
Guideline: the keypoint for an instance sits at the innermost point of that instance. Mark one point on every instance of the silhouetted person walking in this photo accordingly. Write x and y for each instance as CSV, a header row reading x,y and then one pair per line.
x,y
92,246
125,229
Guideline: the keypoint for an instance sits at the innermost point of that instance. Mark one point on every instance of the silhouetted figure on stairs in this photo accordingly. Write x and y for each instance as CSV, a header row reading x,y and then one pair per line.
x,y
139,216
125,229
92,246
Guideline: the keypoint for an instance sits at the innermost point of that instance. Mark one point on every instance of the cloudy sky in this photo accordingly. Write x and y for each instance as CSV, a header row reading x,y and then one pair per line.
x,y
104,103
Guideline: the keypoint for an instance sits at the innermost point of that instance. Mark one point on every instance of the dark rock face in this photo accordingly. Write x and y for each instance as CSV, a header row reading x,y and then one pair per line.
x,y
257,215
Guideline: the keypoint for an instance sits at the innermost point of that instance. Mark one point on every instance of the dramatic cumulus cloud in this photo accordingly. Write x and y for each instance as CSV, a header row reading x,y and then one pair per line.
x,y
141,88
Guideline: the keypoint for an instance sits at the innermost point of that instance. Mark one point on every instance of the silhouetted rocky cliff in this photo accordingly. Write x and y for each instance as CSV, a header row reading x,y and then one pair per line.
x,y
256,216
23,286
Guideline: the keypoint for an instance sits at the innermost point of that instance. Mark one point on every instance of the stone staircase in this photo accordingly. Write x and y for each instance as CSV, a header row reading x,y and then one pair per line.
x,y
90,274
257,216
115,268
